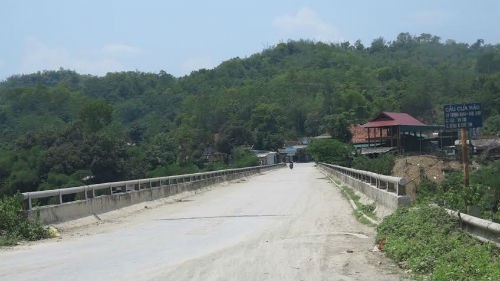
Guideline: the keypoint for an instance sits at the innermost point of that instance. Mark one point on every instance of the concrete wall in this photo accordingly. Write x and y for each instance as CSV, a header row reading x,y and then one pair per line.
x,y
383,197
101,204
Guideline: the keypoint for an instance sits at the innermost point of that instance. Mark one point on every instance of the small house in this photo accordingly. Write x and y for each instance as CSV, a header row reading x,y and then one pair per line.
x,y
396,131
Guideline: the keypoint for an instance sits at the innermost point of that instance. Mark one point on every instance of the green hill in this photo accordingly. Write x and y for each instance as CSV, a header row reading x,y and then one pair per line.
x,y
59,127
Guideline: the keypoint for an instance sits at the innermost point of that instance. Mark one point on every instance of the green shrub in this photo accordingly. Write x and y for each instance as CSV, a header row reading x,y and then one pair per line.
x,y
243,158
483,191
14,226
429,191
215,166
429,242
173,169
469,262
381,164
331,151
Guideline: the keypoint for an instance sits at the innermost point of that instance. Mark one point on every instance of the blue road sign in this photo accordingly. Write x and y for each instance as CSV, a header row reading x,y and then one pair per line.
x,y
467,115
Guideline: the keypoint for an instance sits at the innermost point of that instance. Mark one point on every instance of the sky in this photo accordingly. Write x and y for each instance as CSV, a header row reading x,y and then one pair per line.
x,y
181,36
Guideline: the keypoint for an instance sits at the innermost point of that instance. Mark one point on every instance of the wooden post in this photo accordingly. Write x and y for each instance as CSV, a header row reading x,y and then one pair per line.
x,y
465,156
368,137
420,141
391,130
399,139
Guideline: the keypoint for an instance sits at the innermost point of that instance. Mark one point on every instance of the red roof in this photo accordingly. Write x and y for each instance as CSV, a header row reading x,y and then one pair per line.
x,y
389,119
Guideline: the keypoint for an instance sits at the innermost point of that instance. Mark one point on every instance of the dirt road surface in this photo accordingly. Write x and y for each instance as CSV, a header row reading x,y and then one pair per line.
x,y
281,225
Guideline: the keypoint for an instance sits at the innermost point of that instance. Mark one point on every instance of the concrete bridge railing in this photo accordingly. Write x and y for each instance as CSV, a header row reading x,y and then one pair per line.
x,y
59,205
390,192
387,191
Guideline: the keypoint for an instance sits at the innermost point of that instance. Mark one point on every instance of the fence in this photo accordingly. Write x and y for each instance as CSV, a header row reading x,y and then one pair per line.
x,y
388,191
74,202
376,186
484,230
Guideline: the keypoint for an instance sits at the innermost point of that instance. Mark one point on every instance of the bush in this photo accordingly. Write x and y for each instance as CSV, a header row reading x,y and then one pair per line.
x,y
243,158
14,226
215,166
430,243
173,169
382,164
331,151
489,178
483,191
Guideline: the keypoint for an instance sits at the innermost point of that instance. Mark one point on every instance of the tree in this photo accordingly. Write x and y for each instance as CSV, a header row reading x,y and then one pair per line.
x,y
358,45
96,115
338,127
291,90
488,63
377,45
161,150
404,41
313,124
267,121
331,151
243,158
107,158
492,125
233,136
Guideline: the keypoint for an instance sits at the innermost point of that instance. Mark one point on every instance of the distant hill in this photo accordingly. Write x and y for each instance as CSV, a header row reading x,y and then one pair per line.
x,y
57,127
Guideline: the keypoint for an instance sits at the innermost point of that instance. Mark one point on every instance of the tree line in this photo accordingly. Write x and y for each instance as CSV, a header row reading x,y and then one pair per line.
x,y
61,128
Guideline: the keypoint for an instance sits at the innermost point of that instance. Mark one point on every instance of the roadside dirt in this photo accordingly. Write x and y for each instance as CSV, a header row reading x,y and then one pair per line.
x,y
431,167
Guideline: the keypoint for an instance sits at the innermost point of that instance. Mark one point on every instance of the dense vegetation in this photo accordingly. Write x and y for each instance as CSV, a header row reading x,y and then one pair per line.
x,y
429,243
14,226
483,192
331,151
383,164
59,128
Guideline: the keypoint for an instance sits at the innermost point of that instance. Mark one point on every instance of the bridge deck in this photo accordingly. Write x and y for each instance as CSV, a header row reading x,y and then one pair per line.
x,y
281,225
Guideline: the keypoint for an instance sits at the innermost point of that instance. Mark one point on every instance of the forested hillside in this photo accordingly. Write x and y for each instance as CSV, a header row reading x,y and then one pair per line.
x,y
60,128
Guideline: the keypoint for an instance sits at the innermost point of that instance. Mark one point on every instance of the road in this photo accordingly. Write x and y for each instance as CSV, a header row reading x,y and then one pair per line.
x,y
280,225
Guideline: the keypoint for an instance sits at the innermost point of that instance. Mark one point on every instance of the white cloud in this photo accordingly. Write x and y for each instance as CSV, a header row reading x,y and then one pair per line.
x,y
109,58
307,24
196,63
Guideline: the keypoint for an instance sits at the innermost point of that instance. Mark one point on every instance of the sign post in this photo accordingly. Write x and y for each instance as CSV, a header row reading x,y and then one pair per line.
x,y
463,117
465,155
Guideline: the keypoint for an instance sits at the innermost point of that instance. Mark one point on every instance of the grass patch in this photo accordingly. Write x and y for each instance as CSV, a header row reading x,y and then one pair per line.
x,y
362,209
430,243
336,181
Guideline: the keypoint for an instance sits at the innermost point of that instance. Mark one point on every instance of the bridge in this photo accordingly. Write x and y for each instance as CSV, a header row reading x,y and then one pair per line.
x,y
264,223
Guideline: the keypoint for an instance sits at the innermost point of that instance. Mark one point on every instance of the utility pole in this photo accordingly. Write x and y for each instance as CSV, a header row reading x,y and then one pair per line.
x,y
465,156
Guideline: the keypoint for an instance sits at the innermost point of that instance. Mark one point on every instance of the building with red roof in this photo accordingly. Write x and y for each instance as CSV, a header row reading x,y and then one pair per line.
x,y
392,131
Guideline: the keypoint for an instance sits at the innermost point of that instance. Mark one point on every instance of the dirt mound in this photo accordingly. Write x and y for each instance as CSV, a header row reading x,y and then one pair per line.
x,y
432,168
